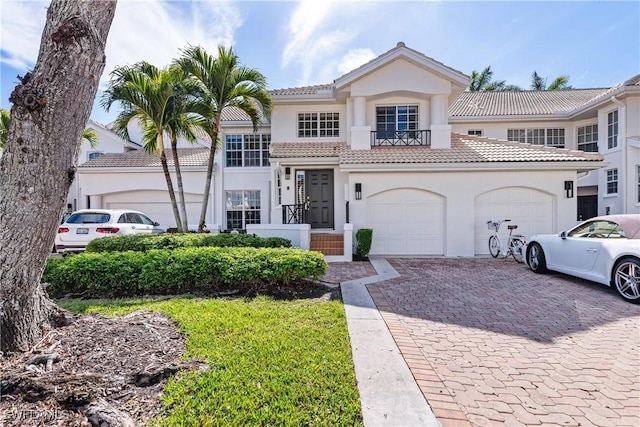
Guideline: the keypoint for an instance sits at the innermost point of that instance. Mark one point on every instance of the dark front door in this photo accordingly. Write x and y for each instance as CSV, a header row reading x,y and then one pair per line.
x,y
319,190
587,207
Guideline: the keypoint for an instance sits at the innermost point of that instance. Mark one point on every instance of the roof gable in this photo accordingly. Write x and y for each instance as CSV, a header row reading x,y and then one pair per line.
x,y
401,51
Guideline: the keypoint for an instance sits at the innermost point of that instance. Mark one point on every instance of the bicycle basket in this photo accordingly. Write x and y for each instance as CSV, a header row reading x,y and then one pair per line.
x,y
492,225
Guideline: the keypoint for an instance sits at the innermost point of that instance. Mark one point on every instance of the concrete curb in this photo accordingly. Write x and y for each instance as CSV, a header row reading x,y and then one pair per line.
x,y
389,394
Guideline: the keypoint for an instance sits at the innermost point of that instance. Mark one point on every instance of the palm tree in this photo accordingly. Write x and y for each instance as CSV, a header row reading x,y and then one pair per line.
x,y
540,83
5,120
155,99
91,137
482,82
224,83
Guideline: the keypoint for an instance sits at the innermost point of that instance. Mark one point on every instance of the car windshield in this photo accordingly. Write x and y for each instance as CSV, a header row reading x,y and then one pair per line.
x,y
599,229
88,218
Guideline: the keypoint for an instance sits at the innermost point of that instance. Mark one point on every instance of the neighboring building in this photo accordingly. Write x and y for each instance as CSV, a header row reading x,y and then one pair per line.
x,y
398,146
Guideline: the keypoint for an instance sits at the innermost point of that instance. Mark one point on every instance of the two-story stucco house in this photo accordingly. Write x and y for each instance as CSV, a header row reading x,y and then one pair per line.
x,y
398,146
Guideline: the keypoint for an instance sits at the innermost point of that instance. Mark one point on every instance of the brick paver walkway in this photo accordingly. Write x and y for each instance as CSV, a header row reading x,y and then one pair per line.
x,y
492,344
342,271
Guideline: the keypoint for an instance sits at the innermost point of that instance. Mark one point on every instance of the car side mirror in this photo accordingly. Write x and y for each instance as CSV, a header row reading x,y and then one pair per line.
x,y
156,223
563,235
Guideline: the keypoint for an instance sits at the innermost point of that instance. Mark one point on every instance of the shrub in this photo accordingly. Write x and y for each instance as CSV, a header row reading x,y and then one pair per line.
x,y
163,271
363,243
146,242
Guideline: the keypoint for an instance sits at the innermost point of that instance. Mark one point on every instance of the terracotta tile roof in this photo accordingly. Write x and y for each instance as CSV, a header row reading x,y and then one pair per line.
x,y
142,159
464,149
526,102
307,149
304,90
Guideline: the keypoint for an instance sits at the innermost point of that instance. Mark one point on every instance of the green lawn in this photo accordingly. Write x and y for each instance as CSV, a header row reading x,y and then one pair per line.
x,y
273,362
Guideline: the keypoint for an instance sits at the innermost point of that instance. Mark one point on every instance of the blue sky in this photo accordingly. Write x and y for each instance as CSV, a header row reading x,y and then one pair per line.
x,y
295,43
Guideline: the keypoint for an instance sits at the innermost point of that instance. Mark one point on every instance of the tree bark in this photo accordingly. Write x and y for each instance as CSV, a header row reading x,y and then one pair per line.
x,y
50,109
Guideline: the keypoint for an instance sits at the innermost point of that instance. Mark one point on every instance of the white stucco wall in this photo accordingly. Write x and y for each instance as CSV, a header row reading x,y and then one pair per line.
x,y
459,191
399,76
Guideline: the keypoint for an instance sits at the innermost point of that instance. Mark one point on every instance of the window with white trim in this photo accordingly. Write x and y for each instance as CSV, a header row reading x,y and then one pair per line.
x,y
250,150
94,155
474,132
318,125
612,129
550,137
396,118
612,181
588,138
243,207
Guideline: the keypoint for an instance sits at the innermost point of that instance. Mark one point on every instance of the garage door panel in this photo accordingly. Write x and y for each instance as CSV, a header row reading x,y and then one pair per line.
x,y
406,222
531,210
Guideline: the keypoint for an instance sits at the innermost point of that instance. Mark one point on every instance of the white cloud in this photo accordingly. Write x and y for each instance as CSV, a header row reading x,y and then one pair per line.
x,y
20,32
355,58
153,31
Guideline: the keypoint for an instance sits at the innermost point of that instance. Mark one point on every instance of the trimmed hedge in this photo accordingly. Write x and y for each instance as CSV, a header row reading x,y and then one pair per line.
x,y
162,271
364,237
146,242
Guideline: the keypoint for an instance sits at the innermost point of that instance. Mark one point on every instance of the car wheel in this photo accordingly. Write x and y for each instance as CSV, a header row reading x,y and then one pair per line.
x,y
535,258
626,279
494,246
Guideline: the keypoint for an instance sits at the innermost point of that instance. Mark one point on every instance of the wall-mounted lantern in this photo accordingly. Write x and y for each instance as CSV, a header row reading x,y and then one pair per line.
x,y
358,191
568,187
287,172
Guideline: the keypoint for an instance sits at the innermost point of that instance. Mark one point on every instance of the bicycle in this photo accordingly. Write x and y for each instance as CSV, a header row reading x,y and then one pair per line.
x,y
515,244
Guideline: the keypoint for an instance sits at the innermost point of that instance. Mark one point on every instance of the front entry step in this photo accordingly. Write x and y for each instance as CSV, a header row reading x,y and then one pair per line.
x,y
328,244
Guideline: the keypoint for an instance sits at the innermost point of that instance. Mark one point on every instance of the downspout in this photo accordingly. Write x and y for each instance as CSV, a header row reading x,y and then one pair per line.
x,y
623,141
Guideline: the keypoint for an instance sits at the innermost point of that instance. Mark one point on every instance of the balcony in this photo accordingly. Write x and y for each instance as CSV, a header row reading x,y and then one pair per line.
x,y
385,138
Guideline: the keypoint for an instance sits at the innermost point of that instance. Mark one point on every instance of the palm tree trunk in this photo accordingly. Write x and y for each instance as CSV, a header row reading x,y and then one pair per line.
x,y
183,203
50,109
167,177
207,184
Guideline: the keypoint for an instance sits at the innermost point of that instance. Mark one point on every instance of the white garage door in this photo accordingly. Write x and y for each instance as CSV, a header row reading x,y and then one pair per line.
x,y
406,221
153,204
531,210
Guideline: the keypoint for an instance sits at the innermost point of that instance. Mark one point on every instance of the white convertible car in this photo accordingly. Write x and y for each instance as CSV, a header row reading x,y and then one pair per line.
x,y
604,249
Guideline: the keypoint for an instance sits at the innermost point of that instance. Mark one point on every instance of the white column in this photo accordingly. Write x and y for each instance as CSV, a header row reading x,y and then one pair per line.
x,y
360,132
359,111
440,128
438,110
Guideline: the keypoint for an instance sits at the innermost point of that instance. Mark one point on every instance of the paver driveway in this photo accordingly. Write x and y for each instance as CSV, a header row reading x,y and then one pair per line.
x,y
491,343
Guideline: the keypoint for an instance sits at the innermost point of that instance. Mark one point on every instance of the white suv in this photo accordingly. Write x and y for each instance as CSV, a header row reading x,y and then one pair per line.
x,y
82,226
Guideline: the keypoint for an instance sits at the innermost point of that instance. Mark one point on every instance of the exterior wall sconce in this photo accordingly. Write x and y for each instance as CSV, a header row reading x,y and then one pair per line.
x,y
568,187
358,191
287,172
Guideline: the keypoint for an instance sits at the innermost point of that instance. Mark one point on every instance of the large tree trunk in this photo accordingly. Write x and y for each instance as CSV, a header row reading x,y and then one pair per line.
x,y
50,109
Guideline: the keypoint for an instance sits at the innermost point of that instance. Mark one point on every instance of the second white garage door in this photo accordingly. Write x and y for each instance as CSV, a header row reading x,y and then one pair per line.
x,y
406,221
531,210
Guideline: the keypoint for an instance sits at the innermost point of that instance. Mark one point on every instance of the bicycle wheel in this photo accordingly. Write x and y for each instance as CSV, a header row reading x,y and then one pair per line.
x,y
494,246
517,249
